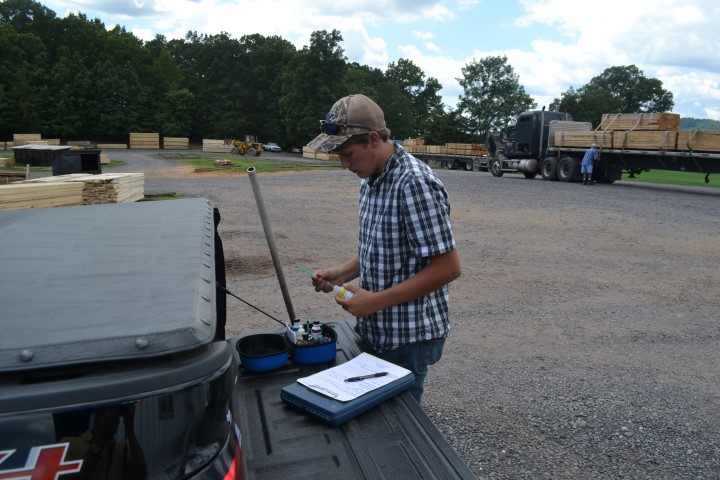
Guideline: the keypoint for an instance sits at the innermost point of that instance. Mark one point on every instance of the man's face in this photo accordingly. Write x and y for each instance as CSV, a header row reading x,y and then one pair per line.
x,y
362,160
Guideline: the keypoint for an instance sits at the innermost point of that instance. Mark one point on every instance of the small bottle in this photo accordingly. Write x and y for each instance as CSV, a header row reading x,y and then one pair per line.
x,y
341,292
297,330
316,333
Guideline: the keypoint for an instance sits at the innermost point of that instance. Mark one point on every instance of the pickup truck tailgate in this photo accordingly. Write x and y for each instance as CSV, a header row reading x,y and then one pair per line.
x,y
391,441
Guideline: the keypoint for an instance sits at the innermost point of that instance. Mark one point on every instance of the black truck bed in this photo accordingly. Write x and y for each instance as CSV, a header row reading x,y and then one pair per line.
x,y
395,440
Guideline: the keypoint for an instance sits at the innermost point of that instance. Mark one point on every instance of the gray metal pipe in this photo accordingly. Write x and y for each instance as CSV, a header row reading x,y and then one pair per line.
x,y
271,242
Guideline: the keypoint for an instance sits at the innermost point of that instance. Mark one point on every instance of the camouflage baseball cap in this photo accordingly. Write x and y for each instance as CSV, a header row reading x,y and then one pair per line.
x,y
351,115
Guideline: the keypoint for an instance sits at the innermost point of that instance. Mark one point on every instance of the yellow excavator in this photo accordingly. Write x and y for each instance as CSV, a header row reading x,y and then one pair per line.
x,y
247,146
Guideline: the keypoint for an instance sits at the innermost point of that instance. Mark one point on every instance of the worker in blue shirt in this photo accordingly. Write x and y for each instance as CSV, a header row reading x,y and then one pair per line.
x,y
407,252
586,167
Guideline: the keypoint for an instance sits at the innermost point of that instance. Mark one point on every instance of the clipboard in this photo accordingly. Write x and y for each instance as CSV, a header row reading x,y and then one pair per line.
x,y
334,412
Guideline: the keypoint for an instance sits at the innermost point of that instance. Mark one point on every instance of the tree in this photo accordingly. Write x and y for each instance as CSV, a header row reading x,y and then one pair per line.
x,y
616,90
422,95
312,82
492,96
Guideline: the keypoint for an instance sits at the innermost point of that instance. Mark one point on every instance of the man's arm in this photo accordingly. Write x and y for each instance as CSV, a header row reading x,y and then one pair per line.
x,y
441,270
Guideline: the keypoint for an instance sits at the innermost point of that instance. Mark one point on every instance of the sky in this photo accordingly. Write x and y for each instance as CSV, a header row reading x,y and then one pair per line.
x,y
552,45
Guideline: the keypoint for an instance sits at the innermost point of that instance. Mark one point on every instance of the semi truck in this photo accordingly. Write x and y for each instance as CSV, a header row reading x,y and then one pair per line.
x,y
535,144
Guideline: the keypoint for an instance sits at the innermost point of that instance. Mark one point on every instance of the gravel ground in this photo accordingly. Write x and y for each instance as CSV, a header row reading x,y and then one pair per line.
x,y
585,340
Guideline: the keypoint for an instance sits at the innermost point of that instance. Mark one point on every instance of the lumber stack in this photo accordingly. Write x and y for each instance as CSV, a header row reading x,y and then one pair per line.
x,y
22,195
215,146
583,139
645,140
699,141
24,138
144,140
312,153
417,145
98,189
112,146
640,121
176,143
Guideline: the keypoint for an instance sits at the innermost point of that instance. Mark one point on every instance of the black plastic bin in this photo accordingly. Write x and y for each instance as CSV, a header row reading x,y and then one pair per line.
x,y
77,161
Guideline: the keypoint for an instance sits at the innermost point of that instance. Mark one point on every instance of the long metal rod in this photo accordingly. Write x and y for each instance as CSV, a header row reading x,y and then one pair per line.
x,y
271,242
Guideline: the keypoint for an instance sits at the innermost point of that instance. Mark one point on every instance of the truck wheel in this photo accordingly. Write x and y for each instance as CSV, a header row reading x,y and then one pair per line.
x,y
468,167
566,169
251,151
452,165
548,169
234,151
496,167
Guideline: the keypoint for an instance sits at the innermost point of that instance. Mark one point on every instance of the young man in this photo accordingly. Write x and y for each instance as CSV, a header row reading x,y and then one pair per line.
x,y
406,253
586,167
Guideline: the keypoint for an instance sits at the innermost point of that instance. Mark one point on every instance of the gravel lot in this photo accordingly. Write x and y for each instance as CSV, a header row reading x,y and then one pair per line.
x,y
585,343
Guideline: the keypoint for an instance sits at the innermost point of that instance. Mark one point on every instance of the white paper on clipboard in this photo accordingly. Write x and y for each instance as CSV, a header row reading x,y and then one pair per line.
x,y
331,382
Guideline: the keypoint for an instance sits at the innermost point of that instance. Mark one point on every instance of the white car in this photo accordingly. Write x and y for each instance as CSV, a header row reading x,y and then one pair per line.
x,y
271,147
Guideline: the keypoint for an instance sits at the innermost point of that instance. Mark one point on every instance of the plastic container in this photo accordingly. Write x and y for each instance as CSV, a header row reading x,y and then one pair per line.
x,y
263,352
312,354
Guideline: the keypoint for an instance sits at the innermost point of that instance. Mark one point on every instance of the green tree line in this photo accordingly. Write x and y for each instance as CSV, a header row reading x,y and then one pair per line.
x,y
72,78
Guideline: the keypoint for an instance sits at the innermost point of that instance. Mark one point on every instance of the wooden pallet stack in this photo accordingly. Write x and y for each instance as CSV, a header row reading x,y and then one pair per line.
x,y
176,143
144,140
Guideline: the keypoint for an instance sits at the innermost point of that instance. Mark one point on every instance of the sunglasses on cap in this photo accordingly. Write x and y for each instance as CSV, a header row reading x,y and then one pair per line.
x,y
330,128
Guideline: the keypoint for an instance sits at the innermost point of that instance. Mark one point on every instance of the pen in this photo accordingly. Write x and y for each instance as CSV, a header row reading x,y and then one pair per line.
x,y
365,377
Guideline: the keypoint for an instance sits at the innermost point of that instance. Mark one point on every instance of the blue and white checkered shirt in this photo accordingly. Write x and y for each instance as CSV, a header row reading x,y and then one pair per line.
x,y
404,220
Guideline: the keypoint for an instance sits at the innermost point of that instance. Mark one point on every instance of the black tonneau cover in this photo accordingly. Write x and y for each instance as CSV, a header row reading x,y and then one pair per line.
x,y
136,281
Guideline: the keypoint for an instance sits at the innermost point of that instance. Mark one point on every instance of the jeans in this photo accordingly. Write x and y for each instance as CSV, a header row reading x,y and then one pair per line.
x,y
415,357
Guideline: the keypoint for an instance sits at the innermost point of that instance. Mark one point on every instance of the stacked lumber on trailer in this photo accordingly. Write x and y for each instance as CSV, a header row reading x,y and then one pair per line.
x,y
20,195
699,141
640,121
102,188
144,140
176,143
417,145
583,139
216,146
645,140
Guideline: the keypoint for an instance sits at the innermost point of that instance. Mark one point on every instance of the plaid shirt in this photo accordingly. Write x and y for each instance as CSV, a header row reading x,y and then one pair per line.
x,y
404,220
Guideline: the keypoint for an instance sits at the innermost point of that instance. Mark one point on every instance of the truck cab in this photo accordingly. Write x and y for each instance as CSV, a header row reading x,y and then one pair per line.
x,y
520,146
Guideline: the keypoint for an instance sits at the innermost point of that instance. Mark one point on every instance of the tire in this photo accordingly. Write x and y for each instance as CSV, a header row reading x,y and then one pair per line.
x,y
548,169
452,165
496,167
566,169
234,151
251,151
468,167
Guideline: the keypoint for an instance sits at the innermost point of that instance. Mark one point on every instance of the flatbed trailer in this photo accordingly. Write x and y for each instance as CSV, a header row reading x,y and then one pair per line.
x,y
454,162
613,161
